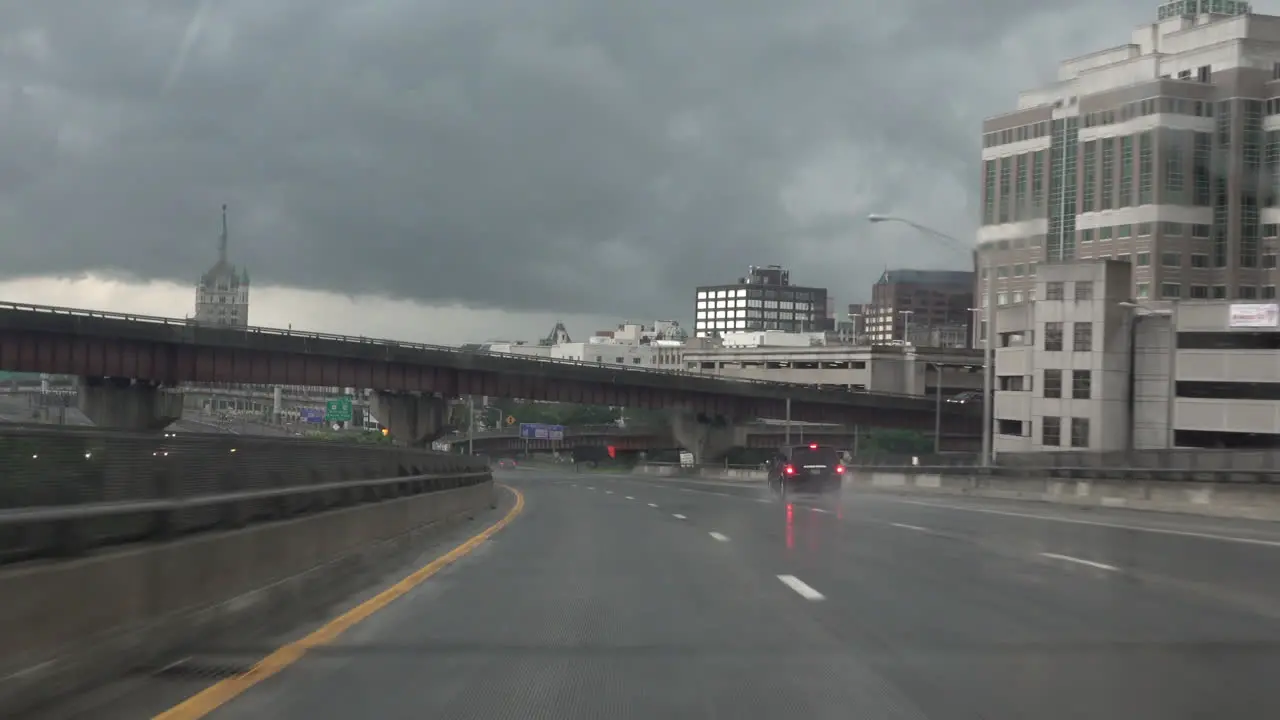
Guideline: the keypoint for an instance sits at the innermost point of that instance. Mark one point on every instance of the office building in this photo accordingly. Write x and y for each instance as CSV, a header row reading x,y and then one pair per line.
x,y
921,307
1163,152
764,299
222,295
1085,368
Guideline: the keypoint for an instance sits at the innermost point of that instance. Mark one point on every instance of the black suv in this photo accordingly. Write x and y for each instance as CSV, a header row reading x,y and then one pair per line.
x,y
806,469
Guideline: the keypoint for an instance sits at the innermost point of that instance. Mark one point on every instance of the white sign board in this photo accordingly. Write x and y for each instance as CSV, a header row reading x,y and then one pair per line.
x,y
1254,315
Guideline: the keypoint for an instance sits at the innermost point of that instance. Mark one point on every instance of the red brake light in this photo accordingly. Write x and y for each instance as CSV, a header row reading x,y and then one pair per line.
x,y
839,469
813,446
789,470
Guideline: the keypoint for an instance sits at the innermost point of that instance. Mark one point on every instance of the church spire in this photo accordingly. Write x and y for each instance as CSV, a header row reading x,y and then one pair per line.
x,y
222,240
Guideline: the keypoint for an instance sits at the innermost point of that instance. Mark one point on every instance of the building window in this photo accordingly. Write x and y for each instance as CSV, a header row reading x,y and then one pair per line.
x,y
1053,291
1145,169
1219,292
1268,292
1006,198
1051,432
1084,290
1081,384
1199,260
1171,259
1199,292
1126,172
1053,336
1248,292
1107,201
1144,259
1143,290
1052,383
1087,199
1170,291
1079,432
1173,180
1201,170
1082,337
1020,189
1037,180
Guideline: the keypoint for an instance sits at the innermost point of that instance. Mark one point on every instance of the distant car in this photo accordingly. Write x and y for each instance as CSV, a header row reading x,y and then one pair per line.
x,y
966,397
506,463
811,469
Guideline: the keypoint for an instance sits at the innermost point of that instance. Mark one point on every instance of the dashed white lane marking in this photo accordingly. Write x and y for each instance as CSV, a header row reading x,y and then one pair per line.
x,y
905,526
685,490
718,536
591,487
800,587
630,498
608,492
678,516
1081,561
820,510
767,501
653,504
1098,523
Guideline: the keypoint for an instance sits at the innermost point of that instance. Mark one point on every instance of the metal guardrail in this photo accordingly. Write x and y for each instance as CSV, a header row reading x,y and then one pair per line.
x,y
255,330
63,492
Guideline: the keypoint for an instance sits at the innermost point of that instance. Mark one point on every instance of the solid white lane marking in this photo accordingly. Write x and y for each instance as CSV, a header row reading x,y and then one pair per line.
x,y
653,504
630,498
905,526
678,516
1100,523
1081,561
718,536
802,589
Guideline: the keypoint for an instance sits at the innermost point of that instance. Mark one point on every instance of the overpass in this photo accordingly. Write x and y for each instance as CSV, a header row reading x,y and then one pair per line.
x,y
131,365
747,435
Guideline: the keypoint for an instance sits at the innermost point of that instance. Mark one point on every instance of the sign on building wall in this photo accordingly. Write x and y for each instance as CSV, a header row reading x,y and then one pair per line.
x,y
1254,315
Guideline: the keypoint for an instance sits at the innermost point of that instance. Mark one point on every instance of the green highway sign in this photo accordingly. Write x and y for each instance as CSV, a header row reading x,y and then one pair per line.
x,y
338,410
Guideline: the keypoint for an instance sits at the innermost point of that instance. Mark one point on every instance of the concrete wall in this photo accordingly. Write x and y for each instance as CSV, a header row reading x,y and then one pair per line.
x,y
1256,501
69,625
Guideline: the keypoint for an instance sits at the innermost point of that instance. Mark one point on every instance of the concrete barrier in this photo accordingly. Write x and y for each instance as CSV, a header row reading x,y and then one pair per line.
x,y
67,626
744,475
1252,500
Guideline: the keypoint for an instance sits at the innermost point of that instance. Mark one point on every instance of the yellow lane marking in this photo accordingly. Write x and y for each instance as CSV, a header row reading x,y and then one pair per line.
x,y
211,698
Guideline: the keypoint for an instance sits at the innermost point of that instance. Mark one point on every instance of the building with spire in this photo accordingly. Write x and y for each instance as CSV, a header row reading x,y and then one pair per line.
x,y
222,295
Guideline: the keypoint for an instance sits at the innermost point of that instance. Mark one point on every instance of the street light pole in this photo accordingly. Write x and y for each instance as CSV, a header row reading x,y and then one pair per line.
x,y
988,313
988,368
471,418
937,412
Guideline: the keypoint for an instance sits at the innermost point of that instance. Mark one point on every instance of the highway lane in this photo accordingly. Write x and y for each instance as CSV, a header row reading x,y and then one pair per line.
x,y
615,597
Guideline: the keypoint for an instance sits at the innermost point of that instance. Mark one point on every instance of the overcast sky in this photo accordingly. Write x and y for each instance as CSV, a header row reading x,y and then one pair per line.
x,y
456,170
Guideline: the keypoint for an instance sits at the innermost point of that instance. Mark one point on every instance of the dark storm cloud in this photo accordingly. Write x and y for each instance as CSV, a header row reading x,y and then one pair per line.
x,y
528,154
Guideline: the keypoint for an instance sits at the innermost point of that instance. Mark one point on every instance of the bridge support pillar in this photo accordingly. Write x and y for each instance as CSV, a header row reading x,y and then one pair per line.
x,y
708,437
128,404
416,418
